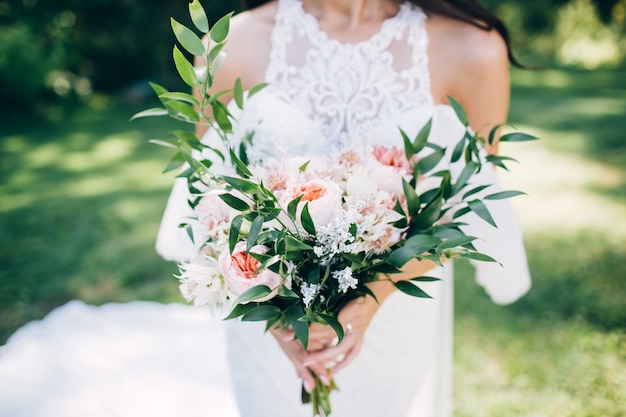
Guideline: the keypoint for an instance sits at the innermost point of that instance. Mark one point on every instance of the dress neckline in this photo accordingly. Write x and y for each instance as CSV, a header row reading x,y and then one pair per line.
x,y
320,37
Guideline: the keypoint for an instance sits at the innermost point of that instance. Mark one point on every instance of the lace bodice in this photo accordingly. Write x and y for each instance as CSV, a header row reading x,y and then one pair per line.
x,y
330,93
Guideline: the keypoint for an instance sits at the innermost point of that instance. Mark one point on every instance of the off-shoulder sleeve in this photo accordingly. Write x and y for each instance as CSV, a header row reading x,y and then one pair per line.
x,y
510,278
173,242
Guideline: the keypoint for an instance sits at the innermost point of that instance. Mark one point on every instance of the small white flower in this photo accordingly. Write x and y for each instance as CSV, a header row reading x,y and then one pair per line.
x,y
309,291
345,278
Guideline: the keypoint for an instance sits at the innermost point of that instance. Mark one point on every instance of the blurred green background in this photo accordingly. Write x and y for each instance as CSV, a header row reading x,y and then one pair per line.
x,y
81,192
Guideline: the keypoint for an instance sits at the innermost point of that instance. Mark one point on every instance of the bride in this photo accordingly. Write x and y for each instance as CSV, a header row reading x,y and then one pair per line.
x,y
341,72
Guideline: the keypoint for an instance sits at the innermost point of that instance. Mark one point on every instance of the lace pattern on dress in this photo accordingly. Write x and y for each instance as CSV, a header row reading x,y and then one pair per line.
x,y
346,87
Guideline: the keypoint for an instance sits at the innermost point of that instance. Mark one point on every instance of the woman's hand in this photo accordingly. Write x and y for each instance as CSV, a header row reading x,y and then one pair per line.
x,y
296,353
323,355
355,318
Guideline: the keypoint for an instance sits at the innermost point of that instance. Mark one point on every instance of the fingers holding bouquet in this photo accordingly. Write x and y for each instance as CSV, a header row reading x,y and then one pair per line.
x,y
355,317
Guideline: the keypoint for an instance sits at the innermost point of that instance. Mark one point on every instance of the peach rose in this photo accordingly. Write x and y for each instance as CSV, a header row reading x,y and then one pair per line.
x,y
240,271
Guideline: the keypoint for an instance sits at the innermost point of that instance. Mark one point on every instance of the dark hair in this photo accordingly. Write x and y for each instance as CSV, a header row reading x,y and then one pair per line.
x,y
468,11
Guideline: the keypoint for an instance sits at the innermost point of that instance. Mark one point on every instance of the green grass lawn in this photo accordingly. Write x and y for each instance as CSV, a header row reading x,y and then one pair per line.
x,y
560,350
81,198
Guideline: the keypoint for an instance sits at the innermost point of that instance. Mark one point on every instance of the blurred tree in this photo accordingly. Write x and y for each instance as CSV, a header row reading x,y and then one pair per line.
x,y
71,47
68,48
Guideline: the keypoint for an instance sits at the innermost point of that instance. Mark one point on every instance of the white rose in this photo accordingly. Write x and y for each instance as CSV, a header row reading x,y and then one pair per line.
x,y
323,198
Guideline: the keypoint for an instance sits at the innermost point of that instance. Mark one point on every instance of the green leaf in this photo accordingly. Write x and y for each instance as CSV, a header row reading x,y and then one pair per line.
x,y
314,274
429,162
214,53
499,160
475,190
287,292
504,194
221,113
186,137
455,242
401,256
180,109
412,199
238,93
292,207
187,98
254,293
300,327
256,89
240,310
408,146
422,137
293,244
467,172
187,39
219,31
156,111
426,279
334,323
446,185
517,137
307,222
493,132
476,256
234,202
242,168
198,16
422,243
233,234
158,89
171,143
302,168
175,162
448,230
240,184
461,212
411,289
458,150
262,313
482,211
184,68
430,214
459,110
255,229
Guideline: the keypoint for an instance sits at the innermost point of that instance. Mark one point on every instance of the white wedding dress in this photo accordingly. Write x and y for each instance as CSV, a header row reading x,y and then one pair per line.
x,y
323,94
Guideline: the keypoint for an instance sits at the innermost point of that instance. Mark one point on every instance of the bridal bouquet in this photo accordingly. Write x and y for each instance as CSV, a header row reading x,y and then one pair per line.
x,y
291,241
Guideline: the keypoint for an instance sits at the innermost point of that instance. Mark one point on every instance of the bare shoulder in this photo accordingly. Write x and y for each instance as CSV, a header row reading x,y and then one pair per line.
x,y
464,58
253,24
248,46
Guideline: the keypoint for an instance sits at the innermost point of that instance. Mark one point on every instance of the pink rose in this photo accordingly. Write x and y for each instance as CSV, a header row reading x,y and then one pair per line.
x,y
389,179
323,197
393,166
213,211
240,271
394,157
